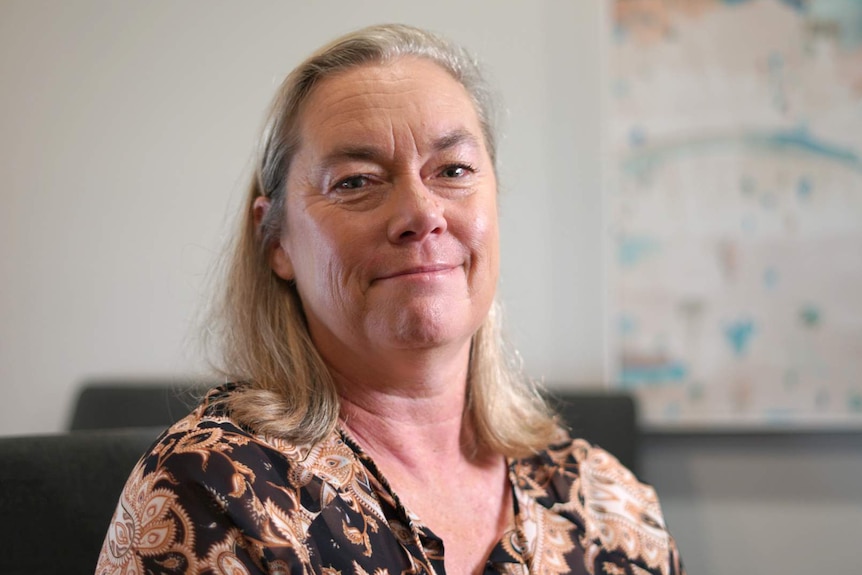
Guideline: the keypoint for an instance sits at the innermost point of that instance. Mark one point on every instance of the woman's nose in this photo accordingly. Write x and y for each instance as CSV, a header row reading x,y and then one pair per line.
x,y
416,212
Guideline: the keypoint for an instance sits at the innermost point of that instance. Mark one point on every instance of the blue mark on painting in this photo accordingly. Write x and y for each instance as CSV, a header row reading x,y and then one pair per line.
x,y
801,138
798,5
642,159
738,335
634,249
627,325
809,315
803,188
637,137
633,376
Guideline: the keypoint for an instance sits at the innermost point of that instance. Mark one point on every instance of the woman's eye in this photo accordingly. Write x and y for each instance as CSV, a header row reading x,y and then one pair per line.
x,y
352,183
456,171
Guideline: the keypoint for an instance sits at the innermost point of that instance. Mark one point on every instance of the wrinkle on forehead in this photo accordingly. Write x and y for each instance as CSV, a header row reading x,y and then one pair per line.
x,y
367,102
455,138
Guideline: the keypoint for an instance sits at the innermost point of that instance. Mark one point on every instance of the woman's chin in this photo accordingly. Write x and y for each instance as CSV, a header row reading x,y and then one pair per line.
x,y
422,327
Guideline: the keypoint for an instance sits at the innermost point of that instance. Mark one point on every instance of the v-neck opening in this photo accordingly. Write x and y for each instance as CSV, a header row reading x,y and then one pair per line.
x,y
501,551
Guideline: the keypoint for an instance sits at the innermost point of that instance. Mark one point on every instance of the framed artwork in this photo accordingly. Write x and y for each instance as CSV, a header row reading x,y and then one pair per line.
x,y
734,208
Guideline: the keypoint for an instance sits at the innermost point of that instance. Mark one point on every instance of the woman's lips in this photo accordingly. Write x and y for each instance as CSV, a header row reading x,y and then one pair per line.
x,y
419,271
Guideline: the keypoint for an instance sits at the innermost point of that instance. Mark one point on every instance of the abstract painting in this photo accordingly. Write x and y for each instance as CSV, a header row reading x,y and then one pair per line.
x,y
734,202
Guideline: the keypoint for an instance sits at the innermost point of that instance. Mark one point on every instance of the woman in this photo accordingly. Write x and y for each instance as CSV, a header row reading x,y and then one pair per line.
x,y
377,428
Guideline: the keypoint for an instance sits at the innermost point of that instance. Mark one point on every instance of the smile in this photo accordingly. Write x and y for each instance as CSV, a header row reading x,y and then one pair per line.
x,y
426,272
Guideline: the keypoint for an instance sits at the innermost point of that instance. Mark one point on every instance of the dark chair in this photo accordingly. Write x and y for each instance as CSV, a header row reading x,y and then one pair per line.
x,y
112,405
57,496
608,420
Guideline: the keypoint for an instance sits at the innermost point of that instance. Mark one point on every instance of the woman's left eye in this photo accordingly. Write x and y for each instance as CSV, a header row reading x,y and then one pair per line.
x,y
456,171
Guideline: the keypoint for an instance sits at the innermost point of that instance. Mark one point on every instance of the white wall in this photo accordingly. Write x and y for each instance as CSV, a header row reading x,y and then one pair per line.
x,y
126,131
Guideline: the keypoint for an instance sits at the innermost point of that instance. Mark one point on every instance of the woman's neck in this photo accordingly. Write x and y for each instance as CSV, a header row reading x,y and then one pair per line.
x,y
406,404
412,424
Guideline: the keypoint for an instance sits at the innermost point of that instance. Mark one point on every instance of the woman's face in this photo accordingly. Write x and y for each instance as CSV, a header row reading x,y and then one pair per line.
x,y
391,214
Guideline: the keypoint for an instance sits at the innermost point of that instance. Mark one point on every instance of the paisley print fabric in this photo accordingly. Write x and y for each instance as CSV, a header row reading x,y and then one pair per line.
x,y
213,498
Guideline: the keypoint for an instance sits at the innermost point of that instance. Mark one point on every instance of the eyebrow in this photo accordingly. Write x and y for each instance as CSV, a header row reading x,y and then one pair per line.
x,y
448,141
453,139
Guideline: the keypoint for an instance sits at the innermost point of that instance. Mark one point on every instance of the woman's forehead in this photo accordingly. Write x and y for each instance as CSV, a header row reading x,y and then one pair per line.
x,y
409,98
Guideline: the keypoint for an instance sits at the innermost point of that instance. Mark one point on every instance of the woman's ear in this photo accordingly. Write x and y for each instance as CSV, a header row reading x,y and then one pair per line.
x,y
279,259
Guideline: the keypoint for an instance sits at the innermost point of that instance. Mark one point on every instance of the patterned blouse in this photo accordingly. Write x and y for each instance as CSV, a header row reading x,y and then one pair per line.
x,y
211,497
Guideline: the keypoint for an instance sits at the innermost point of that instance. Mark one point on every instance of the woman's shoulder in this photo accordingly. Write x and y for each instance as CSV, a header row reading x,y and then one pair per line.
x,y
209,447
209,434
594,471
568,462
617,514
210,492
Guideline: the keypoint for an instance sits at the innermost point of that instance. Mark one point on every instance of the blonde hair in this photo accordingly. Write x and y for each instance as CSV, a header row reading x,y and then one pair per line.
x,y
259,319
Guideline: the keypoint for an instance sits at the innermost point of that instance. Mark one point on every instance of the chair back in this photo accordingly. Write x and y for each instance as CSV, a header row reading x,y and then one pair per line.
x,y
112,405
58,494
608,420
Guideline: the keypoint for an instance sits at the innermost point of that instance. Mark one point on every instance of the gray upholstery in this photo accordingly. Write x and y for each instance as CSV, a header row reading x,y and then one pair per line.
x,y
608,420
57,496
110,405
